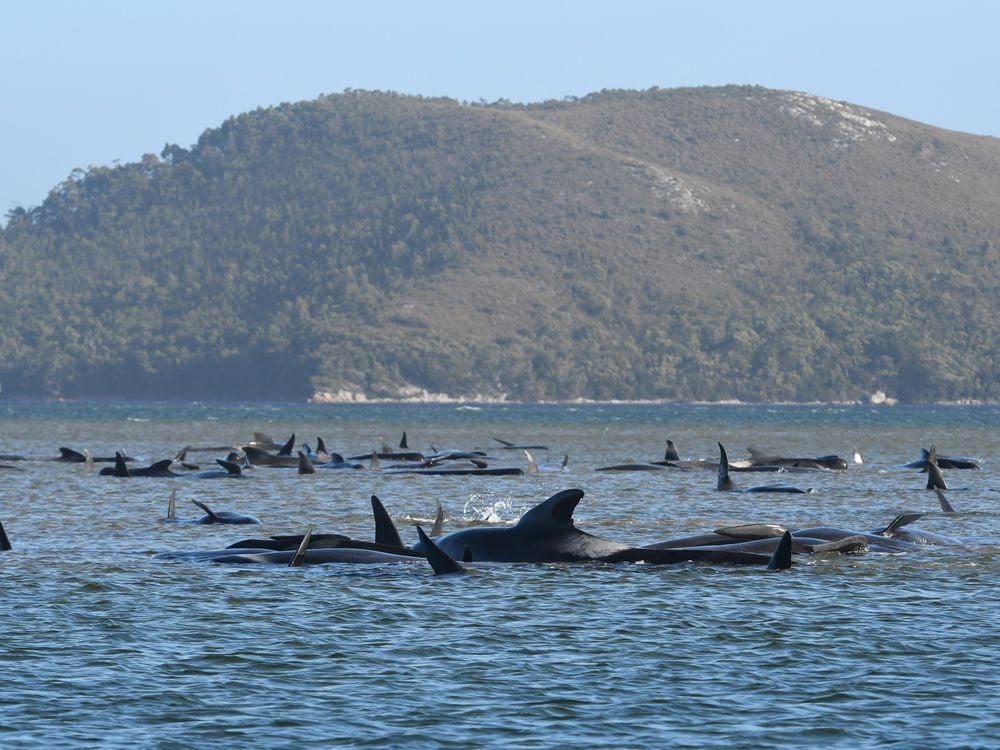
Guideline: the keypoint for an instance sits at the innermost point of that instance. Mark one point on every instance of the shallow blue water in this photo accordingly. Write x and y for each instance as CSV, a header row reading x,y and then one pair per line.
x,y
105,645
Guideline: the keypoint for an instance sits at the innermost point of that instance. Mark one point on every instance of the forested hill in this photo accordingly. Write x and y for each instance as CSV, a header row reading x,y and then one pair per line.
x,y
682,244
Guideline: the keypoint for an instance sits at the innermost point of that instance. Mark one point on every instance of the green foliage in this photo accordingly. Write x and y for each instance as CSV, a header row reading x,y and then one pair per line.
x,y
685,244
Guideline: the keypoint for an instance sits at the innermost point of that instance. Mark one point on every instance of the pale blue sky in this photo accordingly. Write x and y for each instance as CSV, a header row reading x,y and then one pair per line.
x,y
88,82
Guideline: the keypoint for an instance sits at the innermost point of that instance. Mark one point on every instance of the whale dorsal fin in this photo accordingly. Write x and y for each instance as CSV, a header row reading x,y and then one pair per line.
x,y
68,454
305,465
903,519
172,506
231,466
782,557
163,465
557,509
288,447
440,561
671,452
438,526
4,541
300,553
320,446
935,479
211,513
532,466
945,505
121,468
385,529
760,456
724,482
402,442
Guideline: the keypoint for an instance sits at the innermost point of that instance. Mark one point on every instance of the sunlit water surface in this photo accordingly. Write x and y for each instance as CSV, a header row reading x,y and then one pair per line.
x,y
106,645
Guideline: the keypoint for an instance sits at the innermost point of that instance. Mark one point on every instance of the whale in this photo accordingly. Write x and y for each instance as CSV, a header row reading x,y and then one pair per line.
x,y
260,457
122,469
226,470
4,541
726,484
70,456
507,445
943,462
849,545
388,454
894,537
760,457
546,534
310,556
464,469
210,517
672,460
222,516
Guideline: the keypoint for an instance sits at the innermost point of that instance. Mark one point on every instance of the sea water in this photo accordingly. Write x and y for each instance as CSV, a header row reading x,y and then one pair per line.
x,y
107,645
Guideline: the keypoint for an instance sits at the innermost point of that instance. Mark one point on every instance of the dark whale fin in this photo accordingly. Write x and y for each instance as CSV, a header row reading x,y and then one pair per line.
x,y
288,447
903,519
438,526
172,506
557,510
232,467
402,442
945,505
385,529
4,541
211,513
935,479
163,465
262,438
68,454
782,557
724,483
441,562
121,468
300,553
671,452
320,446
305,465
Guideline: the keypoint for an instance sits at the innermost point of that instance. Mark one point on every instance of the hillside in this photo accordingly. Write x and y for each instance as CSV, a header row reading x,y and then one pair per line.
x,y
682,244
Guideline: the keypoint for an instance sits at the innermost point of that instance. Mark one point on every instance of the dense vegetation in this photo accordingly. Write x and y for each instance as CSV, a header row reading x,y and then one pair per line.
x,y
688,244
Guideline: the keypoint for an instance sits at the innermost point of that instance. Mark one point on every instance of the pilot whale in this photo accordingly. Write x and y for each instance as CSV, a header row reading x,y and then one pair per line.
x,y
546,533
726,484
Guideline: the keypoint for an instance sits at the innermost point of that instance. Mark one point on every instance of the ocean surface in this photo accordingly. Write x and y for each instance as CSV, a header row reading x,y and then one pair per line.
x,y
106,645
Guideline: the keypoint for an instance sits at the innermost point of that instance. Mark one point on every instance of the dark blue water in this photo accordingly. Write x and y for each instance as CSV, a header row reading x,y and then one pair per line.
x,y
106,645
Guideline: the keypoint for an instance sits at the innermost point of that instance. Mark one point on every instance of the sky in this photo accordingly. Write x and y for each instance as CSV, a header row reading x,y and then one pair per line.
x,y
97,82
